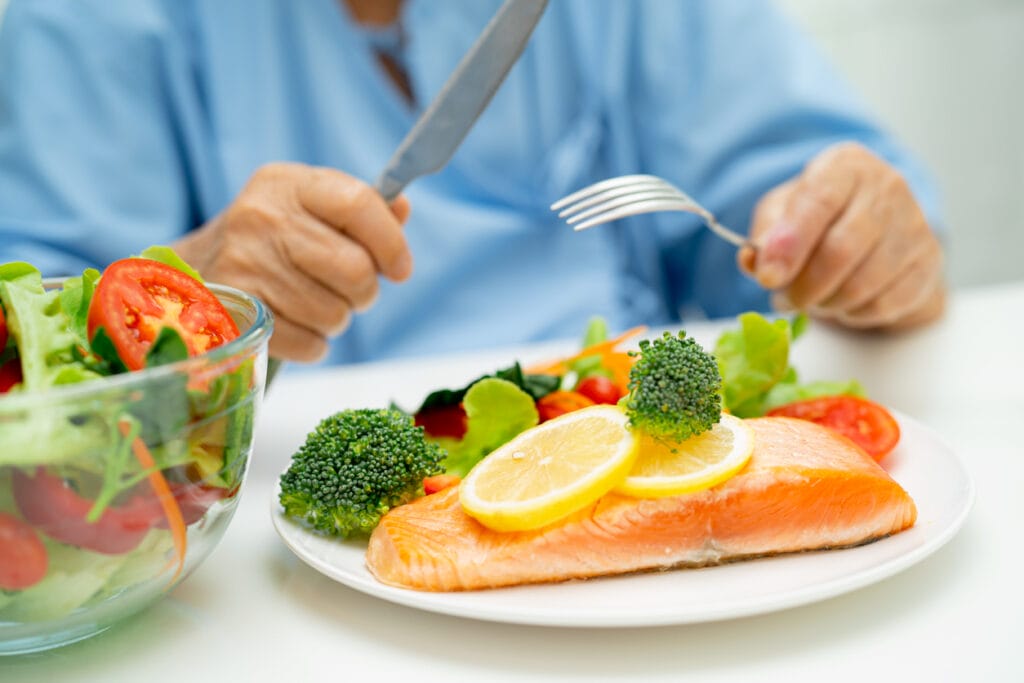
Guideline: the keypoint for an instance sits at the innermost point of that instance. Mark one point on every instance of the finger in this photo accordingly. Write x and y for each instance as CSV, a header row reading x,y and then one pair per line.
x,y
295,342
334,260
876,273
767,213
845,245
820,196
906,295
292,294
931,310
401,208
353,207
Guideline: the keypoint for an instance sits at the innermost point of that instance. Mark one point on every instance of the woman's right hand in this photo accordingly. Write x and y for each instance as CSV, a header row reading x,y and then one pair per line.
x,y
311,243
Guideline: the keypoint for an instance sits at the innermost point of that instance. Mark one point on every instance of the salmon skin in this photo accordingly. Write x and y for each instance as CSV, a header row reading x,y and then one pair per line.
x,y
805,488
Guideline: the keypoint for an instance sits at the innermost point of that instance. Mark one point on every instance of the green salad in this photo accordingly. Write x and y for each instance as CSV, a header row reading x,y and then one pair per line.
x,y
104,471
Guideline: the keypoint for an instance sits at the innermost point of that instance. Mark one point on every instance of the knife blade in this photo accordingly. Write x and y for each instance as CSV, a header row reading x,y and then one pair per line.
x,y
438,132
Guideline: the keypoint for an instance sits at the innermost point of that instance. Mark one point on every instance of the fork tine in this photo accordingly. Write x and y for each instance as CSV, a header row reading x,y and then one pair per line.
x,y
620,191
627,200
599,187
632,209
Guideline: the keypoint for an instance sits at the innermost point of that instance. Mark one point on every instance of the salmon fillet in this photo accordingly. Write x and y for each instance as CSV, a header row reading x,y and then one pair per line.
x,y
805,488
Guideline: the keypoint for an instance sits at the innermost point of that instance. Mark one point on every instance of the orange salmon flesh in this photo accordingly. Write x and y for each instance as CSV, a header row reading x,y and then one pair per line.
x,y
805,488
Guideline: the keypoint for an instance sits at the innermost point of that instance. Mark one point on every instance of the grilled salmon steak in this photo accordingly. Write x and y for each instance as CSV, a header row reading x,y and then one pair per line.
x,y
805,488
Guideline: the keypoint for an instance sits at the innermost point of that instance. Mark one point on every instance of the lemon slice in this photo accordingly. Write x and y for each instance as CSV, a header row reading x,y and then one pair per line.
x,y
671,469
551,471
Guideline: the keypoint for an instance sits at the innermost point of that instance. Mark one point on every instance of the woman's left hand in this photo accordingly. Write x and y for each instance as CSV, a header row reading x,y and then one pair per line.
x,y
847,242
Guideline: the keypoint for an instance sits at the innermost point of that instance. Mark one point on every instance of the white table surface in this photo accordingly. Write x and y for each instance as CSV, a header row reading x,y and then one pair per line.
x,y
254,612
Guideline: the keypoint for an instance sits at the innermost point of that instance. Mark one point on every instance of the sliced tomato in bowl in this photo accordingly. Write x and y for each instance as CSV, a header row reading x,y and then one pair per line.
x,y
864,422
53,507
10,374
3,329
137,297
23,558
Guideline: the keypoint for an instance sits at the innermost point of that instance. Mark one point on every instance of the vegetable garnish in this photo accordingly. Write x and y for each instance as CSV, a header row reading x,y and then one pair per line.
x,y
136,298
674,389
163,493
354,467
440,482
561,402
114,482
599,350
3,330
23,560
756,373
665,468
864,422
549,472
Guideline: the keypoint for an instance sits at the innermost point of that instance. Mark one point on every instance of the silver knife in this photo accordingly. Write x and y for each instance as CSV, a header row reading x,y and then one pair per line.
x,y
441,128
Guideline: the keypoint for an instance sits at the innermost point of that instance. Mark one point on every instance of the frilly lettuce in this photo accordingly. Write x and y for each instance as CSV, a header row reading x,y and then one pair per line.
x,y
755,368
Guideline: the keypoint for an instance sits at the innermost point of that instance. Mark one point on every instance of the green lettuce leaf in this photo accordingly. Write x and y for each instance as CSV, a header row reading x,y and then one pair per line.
x,y
755,368
40,328
752,359
169,257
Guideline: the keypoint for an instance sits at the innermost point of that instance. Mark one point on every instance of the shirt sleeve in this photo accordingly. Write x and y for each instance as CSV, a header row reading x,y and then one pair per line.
x,y
732,100
92,142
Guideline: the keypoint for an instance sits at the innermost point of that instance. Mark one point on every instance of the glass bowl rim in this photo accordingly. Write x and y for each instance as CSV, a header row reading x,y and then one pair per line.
x,y
259,331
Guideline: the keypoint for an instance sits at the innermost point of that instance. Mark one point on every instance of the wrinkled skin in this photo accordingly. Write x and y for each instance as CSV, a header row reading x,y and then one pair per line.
x,y
847,242
311,243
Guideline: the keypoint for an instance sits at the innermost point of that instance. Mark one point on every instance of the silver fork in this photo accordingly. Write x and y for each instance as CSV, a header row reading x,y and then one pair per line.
x,y
629,195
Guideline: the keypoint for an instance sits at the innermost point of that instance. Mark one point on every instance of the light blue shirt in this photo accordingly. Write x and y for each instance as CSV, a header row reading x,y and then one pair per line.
x,y
125,123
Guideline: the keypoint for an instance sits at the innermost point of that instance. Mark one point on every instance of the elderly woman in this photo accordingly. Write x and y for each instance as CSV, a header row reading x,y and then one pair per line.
x,y
242,132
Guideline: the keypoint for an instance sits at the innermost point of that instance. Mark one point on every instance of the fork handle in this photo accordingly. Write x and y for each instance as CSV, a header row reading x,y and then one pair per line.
x,y
726,234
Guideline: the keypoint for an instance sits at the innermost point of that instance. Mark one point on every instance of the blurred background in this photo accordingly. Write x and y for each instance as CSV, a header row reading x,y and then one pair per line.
x,y
948,77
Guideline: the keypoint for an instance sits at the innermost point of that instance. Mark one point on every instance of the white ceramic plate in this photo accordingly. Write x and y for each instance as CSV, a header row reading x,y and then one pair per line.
x,y
922,463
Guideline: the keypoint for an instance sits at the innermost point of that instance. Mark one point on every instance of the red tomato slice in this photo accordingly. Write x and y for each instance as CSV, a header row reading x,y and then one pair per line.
x,y
864,422
599,389
3,329
10,374
559,403
137,297
54,508
23,560
443,421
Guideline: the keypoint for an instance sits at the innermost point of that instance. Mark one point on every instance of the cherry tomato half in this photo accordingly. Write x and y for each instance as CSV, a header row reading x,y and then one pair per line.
x,y
23,560
561,402
440,482
10,374
137,297
864,422
599,389
443,421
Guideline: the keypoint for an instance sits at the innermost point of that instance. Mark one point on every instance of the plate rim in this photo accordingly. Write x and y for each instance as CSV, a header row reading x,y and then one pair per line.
x,y
444,603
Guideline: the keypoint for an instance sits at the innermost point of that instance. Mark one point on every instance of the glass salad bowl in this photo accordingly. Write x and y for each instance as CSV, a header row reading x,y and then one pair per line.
x,y
124,484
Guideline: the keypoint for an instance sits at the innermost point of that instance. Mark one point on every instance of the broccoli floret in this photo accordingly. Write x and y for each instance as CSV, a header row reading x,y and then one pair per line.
x,y
674,388
354,467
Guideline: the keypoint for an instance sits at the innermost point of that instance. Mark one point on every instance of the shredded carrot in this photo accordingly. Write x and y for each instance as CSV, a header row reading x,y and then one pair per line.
x,y
172,511
619,363
560,367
